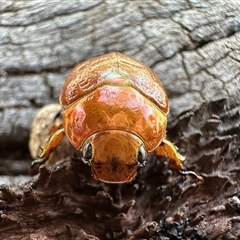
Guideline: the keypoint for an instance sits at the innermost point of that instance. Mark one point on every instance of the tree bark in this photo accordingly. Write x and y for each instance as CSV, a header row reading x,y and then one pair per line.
x,y
193,46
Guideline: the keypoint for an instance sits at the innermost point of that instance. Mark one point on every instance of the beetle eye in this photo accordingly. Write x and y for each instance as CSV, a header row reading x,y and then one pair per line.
x,y
142,155
87,153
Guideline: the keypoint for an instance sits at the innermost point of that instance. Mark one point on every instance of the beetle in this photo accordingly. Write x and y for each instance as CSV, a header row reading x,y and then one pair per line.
x,y
114,111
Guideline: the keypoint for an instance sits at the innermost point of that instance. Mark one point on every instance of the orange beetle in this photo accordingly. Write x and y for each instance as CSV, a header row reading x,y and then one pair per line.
x,y
114,111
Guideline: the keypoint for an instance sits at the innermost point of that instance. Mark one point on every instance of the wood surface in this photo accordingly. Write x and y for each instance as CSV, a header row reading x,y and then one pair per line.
x,y
194,47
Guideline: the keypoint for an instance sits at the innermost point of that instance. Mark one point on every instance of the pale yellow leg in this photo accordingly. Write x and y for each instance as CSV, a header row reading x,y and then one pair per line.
x,y
52,143
49,147
170,150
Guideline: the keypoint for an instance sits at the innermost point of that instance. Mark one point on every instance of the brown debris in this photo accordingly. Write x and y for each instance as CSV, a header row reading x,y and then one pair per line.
x,y
65,202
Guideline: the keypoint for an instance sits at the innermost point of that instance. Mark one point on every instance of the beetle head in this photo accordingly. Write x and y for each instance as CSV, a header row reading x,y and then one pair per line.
x,y
114,155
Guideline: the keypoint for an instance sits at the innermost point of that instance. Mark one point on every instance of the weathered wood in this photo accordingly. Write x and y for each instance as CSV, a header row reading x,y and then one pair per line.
x,y
194,48
65,202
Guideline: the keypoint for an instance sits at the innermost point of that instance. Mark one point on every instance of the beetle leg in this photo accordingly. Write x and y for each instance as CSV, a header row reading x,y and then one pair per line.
x,y
52,143
34,169
57,123
166,148
47,149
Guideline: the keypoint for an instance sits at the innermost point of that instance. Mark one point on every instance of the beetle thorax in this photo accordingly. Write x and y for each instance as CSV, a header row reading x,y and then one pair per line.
x,y
115,108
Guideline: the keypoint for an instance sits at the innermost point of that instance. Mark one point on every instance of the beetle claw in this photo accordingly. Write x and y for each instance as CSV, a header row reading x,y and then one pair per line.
x,y
199,178
34,169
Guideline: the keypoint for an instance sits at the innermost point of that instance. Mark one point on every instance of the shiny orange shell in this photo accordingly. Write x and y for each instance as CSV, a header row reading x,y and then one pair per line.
x,y
114,92
113,69
114,112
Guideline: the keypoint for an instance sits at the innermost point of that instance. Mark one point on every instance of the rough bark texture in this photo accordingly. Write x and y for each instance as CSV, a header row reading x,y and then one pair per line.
x,y
194,47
